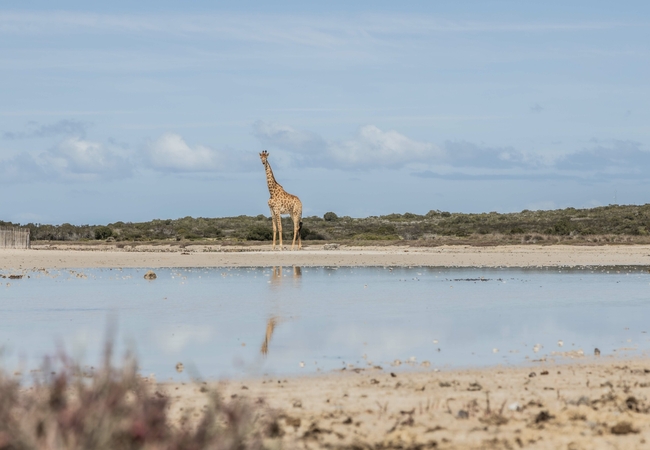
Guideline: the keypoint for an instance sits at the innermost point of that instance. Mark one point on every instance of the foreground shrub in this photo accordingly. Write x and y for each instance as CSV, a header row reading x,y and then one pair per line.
x,y
114,408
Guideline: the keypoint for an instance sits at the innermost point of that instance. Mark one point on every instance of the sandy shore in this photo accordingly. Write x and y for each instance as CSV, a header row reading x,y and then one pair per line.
x,y
68,256
593,403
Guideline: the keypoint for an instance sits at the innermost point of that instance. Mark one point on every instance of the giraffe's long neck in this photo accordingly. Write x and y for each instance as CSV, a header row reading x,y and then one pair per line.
x,y
270,179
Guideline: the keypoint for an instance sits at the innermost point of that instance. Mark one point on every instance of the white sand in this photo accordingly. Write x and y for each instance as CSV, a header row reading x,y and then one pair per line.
x,y
66,256
592,403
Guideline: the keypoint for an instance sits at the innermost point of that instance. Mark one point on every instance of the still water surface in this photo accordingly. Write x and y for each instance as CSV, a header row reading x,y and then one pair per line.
x,y
247,321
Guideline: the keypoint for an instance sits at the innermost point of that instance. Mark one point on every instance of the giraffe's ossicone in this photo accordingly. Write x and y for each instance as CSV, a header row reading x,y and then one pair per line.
x,y
281,202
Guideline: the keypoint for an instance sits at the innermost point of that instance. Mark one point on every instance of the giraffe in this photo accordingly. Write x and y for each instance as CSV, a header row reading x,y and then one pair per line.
x,y
281,202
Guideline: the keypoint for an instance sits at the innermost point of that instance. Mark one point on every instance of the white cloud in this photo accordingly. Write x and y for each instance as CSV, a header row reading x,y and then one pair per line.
x,y
171,153
73,159
370,147
607,156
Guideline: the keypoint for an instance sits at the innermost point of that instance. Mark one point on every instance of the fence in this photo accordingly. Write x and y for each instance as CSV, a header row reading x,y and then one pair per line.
x,y
14,237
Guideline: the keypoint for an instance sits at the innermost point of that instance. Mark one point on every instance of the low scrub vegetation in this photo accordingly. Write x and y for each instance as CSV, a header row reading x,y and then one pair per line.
x,y
630,223
114,408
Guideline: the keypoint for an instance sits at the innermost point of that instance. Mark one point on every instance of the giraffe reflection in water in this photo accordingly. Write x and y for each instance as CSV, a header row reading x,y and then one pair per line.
x,y
276,280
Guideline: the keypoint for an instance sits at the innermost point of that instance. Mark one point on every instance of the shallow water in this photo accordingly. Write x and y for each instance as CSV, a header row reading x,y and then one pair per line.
x,y
248,321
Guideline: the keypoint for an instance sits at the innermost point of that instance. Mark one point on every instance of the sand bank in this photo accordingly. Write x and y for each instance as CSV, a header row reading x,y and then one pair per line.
x,y
587,404
149,256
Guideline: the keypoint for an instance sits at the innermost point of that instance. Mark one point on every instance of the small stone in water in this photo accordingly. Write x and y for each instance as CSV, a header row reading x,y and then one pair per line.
x,y
179,367
560,343
596,352
150,275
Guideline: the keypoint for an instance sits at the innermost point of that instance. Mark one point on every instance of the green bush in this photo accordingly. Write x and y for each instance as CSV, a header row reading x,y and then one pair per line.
x,y
212,232
330,216
259,233
308,235
103,232
561,228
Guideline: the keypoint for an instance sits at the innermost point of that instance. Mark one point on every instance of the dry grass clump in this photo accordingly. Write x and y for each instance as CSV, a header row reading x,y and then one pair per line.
x,y
114,408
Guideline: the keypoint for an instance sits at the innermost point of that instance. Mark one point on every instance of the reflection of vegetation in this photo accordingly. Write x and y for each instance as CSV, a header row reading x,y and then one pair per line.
x,y
604,224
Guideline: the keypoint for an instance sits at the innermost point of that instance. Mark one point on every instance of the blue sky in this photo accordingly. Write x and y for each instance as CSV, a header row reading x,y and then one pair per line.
x,y
158,110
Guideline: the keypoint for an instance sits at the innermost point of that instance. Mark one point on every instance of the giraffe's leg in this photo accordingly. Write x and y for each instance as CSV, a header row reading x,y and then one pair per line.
x,y
280,230
275,227
296,231
299,235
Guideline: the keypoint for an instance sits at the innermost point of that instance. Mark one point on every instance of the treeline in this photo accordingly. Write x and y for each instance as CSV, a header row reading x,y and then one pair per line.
x,y
630,220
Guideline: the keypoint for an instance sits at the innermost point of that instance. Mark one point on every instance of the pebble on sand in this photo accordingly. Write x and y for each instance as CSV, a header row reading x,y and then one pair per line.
x,y
150,275
514,407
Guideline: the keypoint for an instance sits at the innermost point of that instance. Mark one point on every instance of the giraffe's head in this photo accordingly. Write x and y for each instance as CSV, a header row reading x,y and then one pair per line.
x,y
263,156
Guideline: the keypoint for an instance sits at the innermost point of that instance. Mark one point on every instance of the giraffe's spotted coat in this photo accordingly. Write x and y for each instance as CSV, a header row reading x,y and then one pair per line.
x,y
281,202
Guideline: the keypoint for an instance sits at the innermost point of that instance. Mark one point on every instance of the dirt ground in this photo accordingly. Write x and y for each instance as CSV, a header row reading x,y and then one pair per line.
x,y
592,403
66,256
